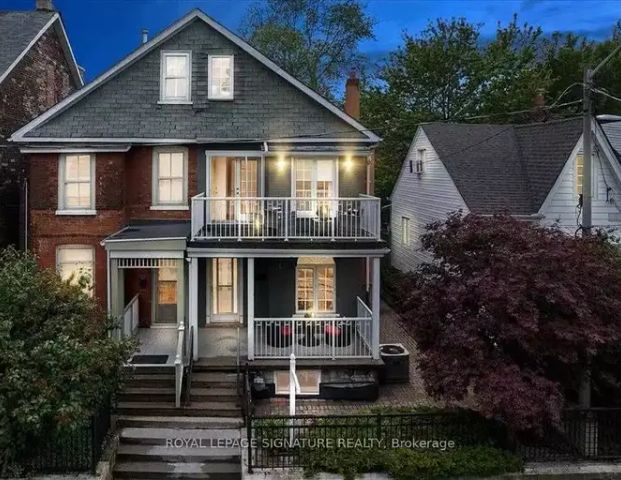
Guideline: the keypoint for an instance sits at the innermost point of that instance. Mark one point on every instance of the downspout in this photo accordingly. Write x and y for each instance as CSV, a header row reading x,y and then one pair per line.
x,y
26,214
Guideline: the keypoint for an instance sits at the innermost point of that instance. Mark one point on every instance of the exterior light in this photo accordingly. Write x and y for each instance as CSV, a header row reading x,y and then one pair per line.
x,y
348,164
281,164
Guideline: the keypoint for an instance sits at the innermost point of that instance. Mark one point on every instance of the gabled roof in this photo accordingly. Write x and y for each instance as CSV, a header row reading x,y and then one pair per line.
x,y
504,168
25,134
611,125
20,30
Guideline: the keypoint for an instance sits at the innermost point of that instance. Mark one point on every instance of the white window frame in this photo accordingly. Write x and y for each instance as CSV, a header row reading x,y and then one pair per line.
x,y
280,388
315,288
313,200
91,288
175,100
155,201
420,160
406,233
62,209
210,94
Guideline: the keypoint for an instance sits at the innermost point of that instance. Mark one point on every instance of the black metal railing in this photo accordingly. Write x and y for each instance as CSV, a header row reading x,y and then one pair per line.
x,y
75,451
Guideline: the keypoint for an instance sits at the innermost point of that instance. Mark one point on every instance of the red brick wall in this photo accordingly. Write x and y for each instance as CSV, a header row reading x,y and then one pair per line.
x,y
39,81
122,193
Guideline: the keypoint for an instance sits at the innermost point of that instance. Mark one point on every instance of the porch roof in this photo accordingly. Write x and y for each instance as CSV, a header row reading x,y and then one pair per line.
x,y
152,230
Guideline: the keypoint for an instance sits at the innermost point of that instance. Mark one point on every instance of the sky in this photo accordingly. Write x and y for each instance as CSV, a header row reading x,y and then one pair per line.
x,y
102,32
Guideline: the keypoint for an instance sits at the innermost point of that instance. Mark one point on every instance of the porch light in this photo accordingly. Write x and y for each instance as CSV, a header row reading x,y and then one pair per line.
x,y
348,164
281,164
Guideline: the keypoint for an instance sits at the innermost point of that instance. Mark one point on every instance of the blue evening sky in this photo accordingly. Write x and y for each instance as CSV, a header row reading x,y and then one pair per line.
x,y
104,31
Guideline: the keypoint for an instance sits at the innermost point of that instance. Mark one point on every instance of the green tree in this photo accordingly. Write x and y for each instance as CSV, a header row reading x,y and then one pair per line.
x,y
314,40
57,359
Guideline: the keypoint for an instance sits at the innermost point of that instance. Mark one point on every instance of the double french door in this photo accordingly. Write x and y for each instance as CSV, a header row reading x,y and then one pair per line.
x,y
225,290
236,181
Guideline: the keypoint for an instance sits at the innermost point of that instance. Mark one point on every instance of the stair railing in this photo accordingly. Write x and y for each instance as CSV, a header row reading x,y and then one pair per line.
x,y
179,364
189,368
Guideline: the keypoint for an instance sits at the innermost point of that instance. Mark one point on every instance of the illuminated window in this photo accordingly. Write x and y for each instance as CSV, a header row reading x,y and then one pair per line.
x,y
315,287
309,381
579,173
221,77
77,182
175,78
170,177
314,179
75,264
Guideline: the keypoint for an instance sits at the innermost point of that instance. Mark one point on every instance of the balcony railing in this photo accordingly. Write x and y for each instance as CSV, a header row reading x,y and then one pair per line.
x,y
215,218
315,337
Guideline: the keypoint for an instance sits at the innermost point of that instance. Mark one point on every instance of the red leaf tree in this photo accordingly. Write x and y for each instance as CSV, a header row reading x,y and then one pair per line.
x,y
511,314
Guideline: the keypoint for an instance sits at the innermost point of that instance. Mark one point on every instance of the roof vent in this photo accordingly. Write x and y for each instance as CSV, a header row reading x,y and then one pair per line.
x,y
145,36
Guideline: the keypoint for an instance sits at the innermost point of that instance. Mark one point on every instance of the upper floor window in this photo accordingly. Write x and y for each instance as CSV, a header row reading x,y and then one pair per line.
x,y
76,185
221,79
579,173
170,179
76,264
176,77
314,179
405,231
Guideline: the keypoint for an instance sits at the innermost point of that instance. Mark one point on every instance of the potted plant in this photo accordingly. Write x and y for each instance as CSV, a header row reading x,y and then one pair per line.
x,y
279,334
309,330
338,333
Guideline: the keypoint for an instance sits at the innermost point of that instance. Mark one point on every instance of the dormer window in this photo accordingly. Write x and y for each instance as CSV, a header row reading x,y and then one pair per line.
x,y
221,81
175,81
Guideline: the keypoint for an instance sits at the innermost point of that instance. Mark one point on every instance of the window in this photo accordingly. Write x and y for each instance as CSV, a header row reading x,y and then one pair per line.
x,y
309,381
579,173
405,230
75,264
221,77
175,81
76,191
170,181
315,286
420,160
314,179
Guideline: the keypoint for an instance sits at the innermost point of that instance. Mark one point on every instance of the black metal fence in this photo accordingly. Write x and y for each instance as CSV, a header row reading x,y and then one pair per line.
x,y
281,442
77,451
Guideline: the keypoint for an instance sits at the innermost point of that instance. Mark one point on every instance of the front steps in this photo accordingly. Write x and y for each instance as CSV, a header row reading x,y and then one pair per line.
x,y
200,440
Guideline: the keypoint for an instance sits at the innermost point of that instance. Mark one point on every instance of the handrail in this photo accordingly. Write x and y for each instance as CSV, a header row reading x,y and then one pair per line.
x,y
190,367
179,364
130,317
364,307
237,381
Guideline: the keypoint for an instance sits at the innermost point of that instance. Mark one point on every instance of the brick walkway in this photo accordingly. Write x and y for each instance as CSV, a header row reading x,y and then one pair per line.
x,y
405,395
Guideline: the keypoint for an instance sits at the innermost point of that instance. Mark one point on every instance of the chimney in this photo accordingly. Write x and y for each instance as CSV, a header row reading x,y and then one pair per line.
x,y
145,36
539,113
352,96
45,6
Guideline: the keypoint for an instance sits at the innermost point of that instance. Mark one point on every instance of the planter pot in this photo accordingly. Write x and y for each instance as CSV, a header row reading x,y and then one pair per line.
x,y
338,334
279,335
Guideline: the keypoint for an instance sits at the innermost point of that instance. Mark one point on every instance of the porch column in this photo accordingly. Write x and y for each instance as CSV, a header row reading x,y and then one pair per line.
x,y
375,306
117,289
193,303
180,292
250,289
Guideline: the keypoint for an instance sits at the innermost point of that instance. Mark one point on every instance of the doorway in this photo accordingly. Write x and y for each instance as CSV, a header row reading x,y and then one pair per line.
x,y
165,311
235,180
225,290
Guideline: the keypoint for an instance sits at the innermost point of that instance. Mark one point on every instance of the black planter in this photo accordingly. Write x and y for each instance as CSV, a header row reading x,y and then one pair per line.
x,y
396,360
338,334
279,335
309,332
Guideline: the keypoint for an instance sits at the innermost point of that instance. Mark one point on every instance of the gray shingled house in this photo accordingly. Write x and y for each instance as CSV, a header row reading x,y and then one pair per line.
x,y
223,211
531,171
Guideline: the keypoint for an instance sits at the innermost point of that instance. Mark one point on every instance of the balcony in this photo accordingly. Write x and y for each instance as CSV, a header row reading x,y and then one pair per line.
x,y
285,218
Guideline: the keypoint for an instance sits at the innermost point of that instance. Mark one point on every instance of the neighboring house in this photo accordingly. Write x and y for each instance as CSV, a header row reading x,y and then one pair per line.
x,y
202,186
37,70
533,172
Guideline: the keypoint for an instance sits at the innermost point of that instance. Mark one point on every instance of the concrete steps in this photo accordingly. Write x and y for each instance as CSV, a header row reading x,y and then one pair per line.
x,y
195,409
178,470
179,422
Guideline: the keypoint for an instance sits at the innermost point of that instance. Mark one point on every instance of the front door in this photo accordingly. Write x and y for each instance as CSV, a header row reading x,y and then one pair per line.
x,y
234,180
165,312
224,291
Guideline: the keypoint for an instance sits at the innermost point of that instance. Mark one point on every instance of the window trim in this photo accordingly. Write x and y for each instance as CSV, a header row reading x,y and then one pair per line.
x,y
77,246
210,95
279,391
315,289
175,101
62,168
406,228
420,160
155,177
578,155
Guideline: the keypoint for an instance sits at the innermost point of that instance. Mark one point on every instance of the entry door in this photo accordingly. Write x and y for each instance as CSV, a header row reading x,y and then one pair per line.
x,y
165,297
224,291
234,179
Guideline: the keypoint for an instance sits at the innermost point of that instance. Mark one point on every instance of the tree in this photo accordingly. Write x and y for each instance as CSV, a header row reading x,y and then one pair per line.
x,y
511,314
57,359
314,40
446,73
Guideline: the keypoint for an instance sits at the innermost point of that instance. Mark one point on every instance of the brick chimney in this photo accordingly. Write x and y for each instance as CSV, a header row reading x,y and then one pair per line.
x,y
45,6
352,96
539,113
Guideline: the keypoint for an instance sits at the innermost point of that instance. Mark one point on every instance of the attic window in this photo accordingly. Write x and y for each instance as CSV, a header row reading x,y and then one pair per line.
x,y
221,77
175,78
420,160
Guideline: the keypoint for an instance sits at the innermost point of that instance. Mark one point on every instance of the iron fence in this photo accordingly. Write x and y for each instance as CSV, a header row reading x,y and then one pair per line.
x,y
76,451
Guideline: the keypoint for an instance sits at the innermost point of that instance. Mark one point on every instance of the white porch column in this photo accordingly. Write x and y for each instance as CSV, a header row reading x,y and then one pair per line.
x,y
375,306
181,292
193,303
250,290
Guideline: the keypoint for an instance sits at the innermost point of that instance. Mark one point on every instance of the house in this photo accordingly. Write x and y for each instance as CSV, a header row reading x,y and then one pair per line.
x,y
220,207
531,171
37,69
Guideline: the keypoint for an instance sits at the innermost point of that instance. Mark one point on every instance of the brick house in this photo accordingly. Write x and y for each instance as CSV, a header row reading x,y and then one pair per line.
x,y
37,70
207,192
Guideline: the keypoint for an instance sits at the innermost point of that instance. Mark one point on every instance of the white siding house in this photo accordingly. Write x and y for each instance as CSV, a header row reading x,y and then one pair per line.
x,y
528,171
420,198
